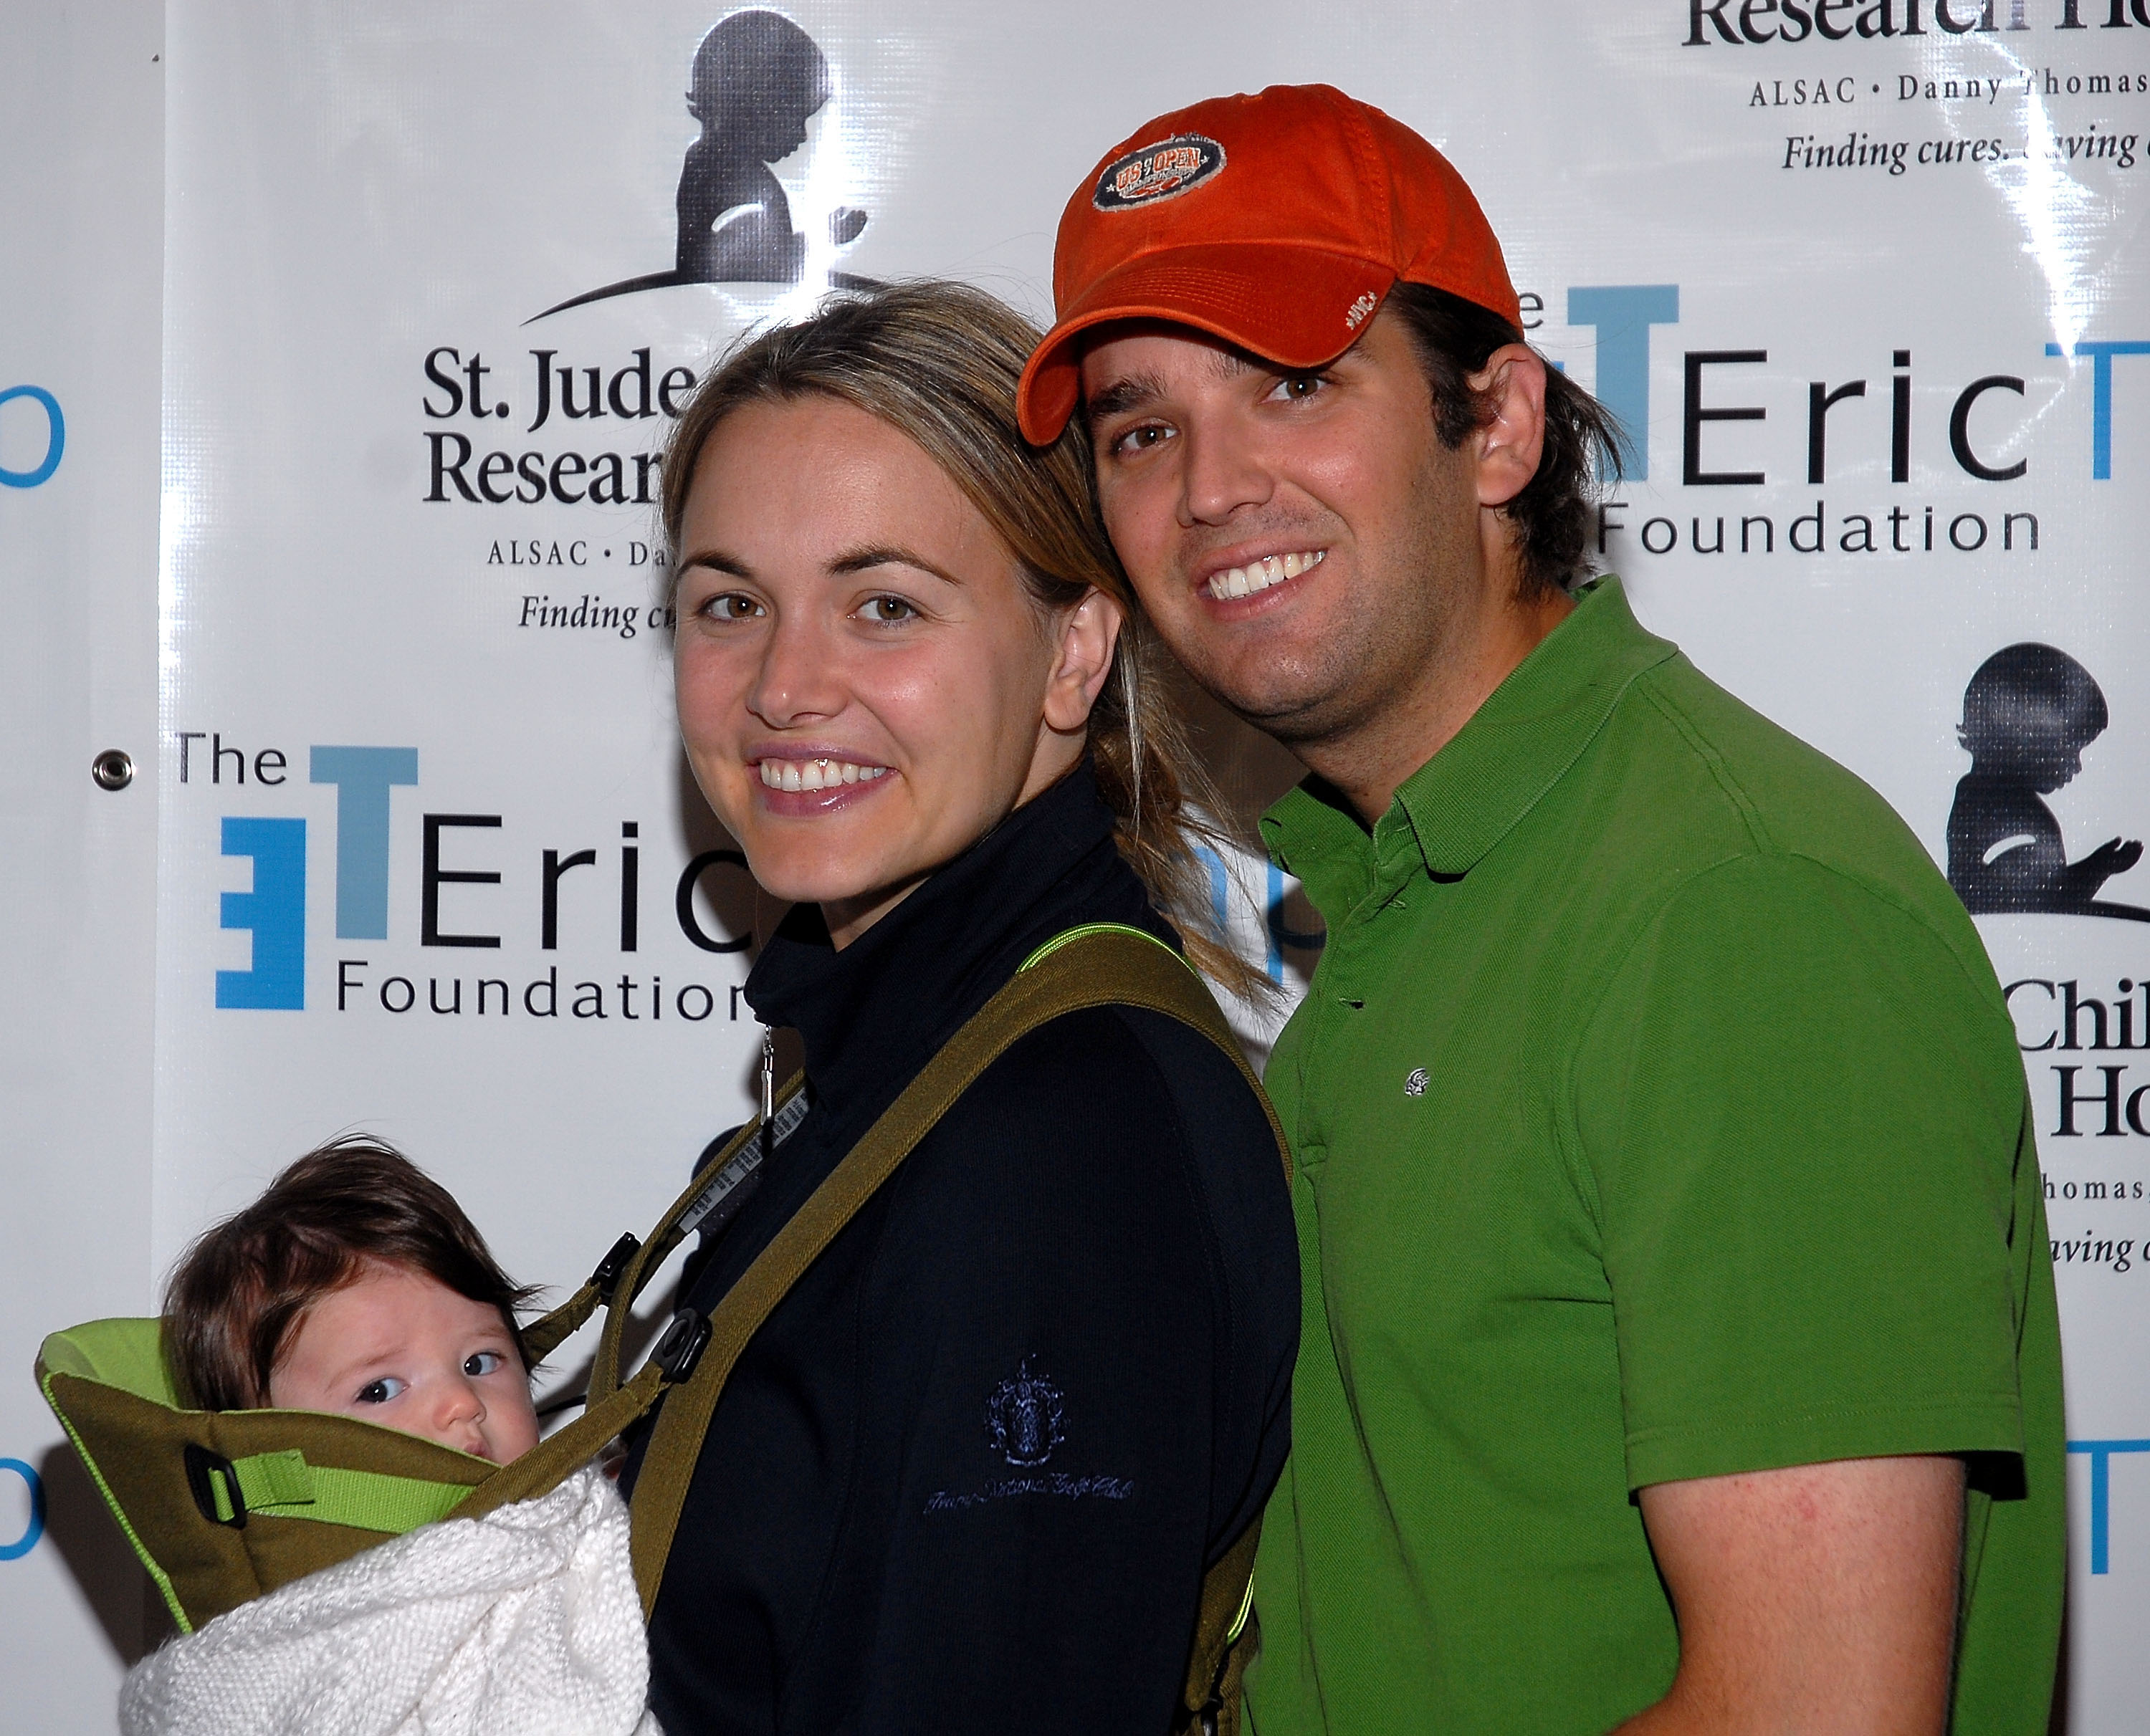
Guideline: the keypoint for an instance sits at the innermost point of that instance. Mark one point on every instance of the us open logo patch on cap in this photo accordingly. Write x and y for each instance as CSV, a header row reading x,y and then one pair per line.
x,y
1156,171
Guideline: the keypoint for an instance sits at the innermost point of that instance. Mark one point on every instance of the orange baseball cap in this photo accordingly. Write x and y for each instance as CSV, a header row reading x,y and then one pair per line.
x,y
1277,222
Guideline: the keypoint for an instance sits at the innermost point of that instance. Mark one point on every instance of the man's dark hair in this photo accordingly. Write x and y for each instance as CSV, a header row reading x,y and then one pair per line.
x,y
1555,515
237,1297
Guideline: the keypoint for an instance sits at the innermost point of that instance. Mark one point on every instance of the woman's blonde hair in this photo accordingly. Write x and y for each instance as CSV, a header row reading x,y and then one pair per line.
x,y
938,362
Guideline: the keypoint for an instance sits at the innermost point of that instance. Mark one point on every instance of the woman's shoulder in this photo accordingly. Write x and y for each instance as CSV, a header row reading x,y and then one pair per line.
x,y
1101,1071
1117,1109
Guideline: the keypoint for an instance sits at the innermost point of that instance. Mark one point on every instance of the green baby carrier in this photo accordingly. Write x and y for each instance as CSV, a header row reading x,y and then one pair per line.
x,y
222,1505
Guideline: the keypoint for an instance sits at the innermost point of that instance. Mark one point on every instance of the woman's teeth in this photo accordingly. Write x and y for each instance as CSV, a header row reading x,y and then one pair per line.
x,y
1260,575
815,774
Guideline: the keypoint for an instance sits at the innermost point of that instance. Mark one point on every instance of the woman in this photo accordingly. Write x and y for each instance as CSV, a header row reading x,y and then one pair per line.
x,y
969,1475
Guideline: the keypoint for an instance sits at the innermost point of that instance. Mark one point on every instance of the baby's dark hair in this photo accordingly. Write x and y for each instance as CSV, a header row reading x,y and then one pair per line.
x,y
235,1301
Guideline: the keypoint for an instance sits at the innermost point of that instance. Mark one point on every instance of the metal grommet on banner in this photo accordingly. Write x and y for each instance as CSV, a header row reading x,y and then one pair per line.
x,y
113,769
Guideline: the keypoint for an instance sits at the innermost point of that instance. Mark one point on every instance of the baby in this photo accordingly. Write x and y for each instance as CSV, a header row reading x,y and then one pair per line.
x,y
356,1285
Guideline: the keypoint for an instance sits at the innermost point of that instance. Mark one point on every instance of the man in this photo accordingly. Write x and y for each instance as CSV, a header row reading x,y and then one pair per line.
x,y
1679,1349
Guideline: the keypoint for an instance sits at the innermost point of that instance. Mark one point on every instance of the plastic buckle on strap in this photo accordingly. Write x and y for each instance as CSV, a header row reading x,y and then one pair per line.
x,y
606,1278
202,1466
682,1346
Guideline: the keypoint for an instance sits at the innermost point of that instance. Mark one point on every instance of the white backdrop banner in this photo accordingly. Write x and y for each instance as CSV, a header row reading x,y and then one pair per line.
x,y
81,204
1854,272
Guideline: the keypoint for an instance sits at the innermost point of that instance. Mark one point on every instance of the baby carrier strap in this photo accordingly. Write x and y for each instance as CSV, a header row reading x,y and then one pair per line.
x,y
675,1227
619,1281
1099,964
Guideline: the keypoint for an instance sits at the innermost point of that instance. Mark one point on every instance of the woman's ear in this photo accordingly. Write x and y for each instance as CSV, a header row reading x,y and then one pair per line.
x,y
1509,445
1082,658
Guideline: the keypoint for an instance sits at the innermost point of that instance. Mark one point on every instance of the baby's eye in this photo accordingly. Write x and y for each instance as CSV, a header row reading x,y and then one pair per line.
x,y
484,1363
380,1391
885,609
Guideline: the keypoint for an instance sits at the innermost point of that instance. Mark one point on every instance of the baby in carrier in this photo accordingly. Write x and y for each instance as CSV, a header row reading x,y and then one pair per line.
x,y
356,1287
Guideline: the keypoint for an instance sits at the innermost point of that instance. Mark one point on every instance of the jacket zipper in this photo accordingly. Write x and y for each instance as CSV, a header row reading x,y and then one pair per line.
x,y
768,1093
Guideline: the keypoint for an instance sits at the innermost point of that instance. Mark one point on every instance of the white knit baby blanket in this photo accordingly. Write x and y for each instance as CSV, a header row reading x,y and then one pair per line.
x,y
522,1622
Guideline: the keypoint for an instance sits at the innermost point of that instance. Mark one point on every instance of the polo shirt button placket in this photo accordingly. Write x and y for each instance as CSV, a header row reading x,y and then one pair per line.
x,y
1345,991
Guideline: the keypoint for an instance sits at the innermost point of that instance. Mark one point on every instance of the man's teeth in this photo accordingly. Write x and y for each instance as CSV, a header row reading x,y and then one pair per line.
x,y
1260,575
816,774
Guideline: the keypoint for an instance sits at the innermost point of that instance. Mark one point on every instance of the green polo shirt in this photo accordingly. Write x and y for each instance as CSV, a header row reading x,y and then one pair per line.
x,y
1658,1116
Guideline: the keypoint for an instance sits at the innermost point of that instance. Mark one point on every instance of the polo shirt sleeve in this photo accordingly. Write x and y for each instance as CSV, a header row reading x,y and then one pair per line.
x,y
1796,1112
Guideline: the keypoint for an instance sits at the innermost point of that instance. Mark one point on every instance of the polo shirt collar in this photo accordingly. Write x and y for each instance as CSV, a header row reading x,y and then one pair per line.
x,y
1453,810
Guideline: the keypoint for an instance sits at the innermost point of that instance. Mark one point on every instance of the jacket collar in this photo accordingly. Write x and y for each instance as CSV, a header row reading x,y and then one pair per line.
x,y
1455,808
873,1013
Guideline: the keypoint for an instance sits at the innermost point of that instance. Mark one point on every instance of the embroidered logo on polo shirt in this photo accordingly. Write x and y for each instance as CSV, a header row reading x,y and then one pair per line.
x,y
1159,171
1024,1418
1415,1085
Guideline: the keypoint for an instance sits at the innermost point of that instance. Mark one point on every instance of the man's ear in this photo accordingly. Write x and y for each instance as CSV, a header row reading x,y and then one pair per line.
x,y
1509,445
1084,639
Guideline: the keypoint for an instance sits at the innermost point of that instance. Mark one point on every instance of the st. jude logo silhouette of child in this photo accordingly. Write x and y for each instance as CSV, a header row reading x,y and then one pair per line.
x,y
758,82
2028,714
